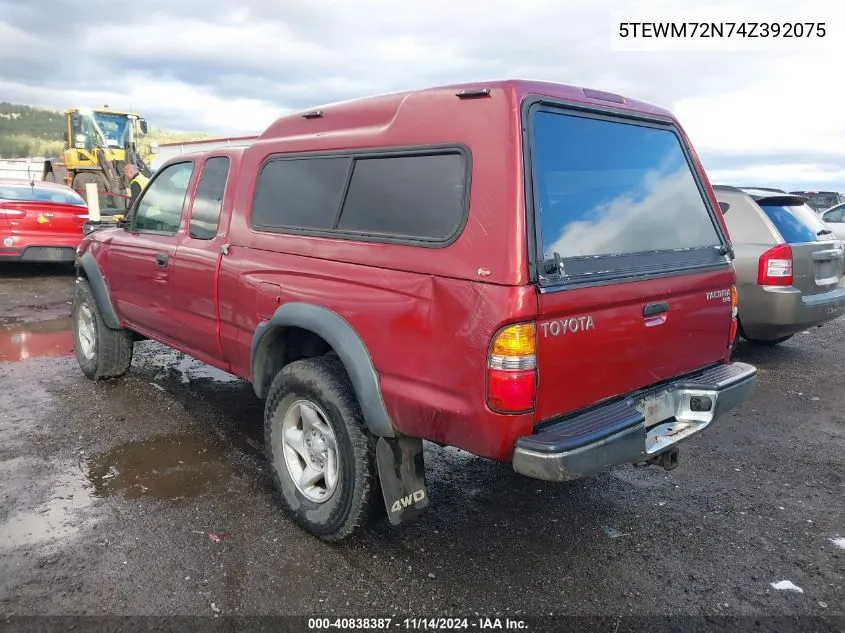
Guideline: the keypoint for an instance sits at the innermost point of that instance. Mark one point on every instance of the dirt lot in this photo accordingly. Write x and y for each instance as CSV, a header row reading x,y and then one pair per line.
x,y
149,495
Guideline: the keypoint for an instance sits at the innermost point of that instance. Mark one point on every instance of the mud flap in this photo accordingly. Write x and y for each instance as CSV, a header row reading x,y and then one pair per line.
x,y
401,470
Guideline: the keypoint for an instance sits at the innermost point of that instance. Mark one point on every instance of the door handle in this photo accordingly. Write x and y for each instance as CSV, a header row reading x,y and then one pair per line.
x,y
162,259
652,309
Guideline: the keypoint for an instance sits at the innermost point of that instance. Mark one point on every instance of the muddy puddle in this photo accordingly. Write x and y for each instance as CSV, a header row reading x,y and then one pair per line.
x,y
21,340
165,468
52,522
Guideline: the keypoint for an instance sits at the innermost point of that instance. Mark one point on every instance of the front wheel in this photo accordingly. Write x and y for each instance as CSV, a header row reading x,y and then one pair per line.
x,y
321,454
100,351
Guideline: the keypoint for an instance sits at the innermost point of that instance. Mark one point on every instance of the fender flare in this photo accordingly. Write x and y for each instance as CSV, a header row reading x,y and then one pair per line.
x,y
100,291
338,333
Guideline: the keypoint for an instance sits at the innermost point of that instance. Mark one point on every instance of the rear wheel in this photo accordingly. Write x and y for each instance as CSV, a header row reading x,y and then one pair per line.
x,y
100,351
321,454
770,342
756,341
84,178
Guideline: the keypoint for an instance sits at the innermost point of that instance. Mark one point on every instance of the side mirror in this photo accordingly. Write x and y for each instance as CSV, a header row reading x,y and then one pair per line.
x,y
153,148
142,123
126,220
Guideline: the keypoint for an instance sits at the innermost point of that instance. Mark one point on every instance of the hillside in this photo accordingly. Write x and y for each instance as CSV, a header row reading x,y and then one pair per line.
x,y
26,131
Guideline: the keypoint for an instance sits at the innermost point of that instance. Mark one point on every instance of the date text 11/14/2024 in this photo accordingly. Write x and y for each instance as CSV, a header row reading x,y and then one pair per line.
x,y
428,624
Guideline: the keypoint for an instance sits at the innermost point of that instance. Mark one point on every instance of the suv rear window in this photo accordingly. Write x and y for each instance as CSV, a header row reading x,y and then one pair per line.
x,y
606,188
796,223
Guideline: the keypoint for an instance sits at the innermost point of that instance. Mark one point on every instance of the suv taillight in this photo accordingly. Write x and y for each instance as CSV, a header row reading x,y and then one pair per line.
x,y
775,266
512,369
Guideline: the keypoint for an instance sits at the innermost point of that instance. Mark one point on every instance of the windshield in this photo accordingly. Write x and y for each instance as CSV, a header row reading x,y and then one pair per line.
x,y
25,193
115,127
797,224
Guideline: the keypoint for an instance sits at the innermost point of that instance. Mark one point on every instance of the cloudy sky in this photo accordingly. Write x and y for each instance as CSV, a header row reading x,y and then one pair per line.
x,y
766,111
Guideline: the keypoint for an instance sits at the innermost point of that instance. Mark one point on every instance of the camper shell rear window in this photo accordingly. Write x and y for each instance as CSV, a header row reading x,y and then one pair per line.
x,y
614,198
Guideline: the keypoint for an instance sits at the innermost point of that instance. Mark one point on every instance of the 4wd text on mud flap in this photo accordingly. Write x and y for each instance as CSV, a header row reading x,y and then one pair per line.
x,y
408,500
564,326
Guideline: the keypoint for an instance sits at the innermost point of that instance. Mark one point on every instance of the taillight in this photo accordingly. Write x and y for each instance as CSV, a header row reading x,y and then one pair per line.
x,y
774,267
734,313
512,369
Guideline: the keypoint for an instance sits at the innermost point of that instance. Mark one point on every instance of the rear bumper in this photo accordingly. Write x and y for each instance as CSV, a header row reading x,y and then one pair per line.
x,y
773,311
635,429
40,254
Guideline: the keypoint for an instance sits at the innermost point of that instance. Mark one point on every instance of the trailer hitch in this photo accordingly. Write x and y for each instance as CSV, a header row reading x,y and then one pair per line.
x,y
668,459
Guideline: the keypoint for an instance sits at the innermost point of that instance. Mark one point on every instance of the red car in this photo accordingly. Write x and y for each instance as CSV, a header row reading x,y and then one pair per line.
x,y
536,273
40,221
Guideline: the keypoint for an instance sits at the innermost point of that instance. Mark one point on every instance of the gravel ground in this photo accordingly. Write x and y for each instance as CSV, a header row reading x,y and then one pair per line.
x,y
149,495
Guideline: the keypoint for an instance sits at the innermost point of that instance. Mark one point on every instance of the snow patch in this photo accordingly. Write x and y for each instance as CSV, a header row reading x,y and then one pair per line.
x,y
787,585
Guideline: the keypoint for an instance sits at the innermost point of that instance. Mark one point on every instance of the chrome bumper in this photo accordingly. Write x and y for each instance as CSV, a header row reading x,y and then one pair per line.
x,y
635,429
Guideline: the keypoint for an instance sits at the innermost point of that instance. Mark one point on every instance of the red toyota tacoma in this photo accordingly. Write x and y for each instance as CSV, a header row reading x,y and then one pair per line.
x,y
533,272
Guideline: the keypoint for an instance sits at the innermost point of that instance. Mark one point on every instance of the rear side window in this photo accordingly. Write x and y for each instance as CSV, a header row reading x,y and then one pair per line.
x,y
205,212
835,215
408,197
796,224
300,193
605,188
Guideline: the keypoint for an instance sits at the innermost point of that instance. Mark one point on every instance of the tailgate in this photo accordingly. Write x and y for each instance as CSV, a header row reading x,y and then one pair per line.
x,y
634,277
817,266
817,259
597,343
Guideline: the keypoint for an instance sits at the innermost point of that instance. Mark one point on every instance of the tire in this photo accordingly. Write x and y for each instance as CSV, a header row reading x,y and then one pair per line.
x,y
349,499
81,179
100,351
754,341
770,342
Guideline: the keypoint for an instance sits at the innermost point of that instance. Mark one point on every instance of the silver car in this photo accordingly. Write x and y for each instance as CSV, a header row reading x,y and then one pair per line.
x,y
835,220
789,264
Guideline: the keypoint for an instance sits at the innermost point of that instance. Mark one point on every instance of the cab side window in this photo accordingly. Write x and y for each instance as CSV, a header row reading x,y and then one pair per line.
x,y
208,201
160,208
835,215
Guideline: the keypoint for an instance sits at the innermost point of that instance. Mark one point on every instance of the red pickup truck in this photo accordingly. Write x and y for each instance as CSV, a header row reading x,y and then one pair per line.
x,y
533,272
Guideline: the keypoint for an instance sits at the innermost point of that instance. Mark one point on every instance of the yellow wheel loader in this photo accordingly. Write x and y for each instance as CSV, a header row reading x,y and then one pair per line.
x,y
100,147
